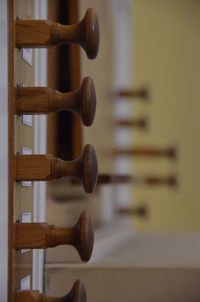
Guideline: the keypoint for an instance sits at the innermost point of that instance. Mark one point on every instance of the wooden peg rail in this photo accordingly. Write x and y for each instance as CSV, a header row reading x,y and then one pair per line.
x,y
146,180
140,211
46,167
42,236
141,93
41,100
45,33
141,123
146,152
76,294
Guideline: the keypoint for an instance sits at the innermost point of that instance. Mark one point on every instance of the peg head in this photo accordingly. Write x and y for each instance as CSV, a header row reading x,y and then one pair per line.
x,y
89,168
143,123
84,236
144,93
91,34
172,153
88,101
142,211
172,181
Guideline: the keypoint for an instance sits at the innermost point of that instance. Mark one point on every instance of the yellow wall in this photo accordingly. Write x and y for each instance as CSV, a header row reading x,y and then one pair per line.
x,y
167,58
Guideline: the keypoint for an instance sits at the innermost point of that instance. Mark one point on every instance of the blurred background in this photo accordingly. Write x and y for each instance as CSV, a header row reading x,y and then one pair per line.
x,y
147,83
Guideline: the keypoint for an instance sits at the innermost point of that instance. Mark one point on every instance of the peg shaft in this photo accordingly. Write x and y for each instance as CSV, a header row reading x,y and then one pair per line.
x,y
42,236
132,123
46,167
42,100
140,211
45,33
76,294
126,178
140,93
145,152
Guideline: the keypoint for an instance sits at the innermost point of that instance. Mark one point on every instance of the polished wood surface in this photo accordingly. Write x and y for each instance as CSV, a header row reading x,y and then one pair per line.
x,y
40,100
141,123
44,33
146,152
42,236
76,294
46,167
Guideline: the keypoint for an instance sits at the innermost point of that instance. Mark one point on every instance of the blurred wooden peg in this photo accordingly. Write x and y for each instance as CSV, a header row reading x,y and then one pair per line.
x,y
140,123
106,178
146,152
137,93
140,211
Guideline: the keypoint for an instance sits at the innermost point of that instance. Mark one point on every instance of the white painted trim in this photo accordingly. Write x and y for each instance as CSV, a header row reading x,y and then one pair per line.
x,y
3,152
39,148
123,77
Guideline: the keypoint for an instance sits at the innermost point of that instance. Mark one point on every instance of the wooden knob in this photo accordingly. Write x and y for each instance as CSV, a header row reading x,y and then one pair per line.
x,y
76,294
42,236
44,33
141,123
146,152
46,167
41,100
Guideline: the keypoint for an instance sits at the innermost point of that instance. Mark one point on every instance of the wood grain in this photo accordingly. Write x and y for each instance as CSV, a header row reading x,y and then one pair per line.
x,y
46,167
42,100
45,33
42,236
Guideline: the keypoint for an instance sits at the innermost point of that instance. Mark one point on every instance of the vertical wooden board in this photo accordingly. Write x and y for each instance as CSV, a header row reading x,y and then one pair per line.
x,y
53,82
23,137
75,79
4,150
11,168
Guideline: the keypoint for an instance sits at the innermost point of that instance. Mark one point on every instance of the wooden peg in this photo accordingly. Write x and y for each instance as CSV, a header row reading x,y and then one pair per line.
x,y
145,152
46,167
107,178
141,123
61,194
76,294
45,33
42,236
41,100
140,211
140,93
